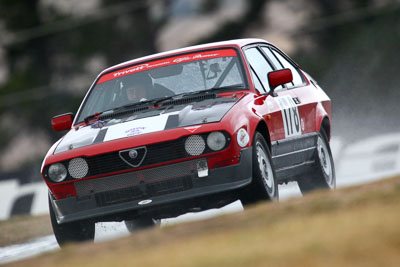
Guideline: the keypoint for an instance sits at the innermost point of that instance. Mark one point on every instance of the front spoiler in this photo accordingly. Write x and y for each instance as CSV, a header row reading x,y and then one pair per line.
x,y
219,180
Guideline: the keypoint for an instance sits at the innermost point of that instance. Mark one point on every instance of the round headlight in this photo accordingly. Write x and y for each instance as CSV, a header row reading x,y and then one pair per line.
x,y
57,172
78,168
195,145
216,141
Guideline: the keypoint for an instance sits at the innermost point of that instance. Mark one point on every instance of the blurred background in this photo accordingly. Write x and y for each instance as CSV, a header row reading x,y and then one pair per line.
x,y
52,50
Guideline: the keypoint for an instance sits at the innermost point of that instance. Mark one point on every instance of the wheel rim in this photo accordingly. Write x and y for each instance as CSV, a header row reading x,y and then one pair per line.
x,y
325,161
265,169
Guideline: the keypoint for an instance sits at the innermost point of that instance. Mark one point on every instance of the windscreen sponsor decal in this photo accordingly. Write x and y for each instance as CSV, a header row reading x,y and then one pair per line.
x,y
290,115
136,127
166,62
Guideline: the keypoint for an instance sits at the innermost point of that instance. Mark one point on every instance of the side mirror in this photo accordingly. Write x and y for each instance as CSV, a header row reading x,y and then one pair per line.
x,y
62,122
279,77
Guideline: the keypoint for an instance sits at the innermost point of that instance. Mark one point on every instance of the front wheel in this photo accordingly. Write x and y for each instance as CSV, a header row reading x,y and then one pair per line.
x,y
323,174
264,185
73,231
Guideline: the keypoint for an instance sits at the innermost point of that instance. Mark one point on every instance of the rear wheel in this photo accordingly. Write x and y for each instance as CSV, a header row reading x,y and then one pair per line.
x,y
323,175
264,185
73,231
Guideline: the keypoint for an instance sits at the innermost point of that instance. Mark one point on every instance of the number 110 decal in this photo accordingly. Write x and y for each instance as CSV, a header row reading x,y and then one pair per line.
x,y
290,115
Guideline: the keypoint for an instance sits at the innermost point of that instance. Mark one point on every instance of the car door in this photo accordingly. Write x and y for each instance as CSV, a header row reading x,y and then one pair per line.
x,y
269,109
301,92
290,118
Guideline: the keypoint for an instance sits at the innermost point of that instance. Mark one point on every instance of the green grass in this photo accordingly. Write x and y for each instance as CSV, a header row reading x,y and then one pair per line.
x,y
357,226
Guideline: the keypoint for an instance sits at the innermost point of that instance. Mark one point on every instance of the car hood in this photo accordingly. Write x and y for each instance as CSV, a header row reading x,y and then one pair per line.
x,y
154,120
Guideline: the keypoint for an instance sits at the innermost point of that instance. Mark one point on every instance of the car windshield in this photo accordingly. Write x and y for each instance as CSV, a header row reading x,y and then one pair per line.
x,y
166,77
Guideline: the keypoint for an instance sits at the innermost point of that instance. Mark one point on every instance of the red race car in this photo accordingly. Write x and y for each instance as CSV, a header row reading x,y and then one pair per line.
x,y
187,130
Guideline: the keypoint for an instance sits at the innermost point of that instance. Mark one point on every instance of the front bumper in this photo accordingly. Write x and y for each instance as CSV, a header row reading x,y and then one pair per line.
x,y
133,191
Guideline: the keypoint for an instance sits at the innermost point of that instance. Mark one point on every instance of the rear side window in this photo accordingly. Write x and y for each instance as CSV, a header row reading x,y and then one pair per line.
x,y
297,78
260,66
271,56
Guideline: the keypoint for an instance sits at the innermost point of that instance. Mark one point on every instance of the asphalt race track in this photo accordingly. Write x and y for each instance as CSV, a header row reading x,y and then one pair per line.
x,y
356,163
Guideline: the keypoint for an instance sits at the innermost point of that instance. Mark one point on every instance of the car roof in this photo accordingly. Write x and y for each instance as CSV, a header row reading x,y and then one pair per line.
x,y
239,43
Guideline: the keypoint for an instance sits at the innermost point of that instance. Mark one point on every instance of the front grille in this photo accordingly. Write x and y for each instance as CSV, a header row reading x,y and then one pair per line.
x,y
139,184
156,153
117,161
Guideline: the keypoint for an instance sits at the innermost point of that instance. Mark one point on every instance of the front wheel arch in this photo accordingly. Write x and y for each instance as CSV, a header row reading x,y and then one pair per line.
x,y
262,128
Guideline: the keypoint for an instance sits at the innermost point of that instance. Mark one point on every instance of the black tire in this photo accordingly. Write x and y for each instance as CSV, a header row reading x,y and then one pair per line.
x,y
140,224
71,232
323,175
264,185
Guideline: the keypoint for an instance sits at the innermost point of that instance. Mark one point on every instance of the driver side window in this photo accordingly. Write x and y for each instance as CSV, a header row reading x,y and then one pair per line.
x,y
257,83
260,66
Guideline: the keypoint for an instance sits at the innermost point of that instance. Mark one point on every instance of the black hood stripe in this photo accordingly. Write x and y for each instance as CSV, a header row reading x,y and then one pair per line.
x,y
172,122
100,136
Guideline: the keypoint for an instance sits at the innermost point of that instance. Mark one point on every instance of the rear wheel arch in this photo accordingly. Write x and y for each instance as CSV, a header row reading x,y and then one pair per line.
x,y
322,175
326,127
323,118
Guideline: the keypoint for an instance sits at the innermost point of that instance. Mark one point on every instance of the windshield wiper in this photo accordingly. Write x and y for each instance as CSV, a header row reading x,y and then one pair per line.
x,y
133,105
156,101
215,89
207,92
97,115
123,109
